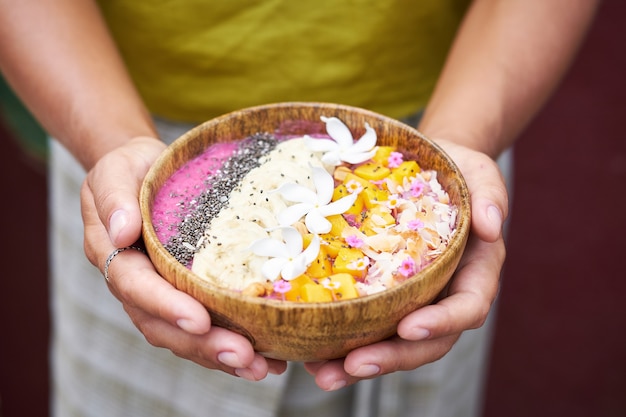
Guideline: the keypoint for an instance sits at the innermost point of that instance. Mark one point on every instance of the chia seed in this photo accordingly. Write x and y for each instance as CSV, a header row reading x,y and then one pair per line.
x,y
214,198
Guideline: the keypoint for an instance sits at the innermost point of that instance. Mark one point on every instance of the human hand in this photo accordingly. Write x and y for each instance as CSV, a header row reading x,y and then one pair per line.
x,y
427,334
167,317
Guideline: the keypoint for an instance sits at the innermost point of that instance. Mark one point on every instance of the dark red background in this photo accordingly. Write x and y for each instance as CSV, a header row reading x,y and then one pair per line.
x,y
560,345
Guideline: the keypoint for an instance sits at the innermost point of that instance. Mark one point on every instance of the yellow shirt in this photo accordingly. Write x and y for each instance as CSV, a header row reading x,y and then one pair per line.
x,y
196,59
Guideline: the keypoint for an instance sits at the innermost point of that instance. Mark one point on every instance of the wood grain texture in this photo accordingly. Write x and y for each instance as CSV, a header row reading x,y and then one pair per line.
x,y
308,331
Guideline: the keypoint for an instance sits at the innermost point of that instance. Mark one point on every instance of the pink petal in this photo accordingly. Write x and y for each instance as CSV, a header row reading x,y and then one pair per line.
x,y
282,286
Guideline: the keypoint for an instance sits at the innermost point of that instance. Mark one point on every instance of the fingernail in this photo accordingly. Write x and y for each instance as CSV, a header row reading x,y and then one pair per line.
x,y
494,215
245,373
337,385
419,333
367,370
276,370
186,325
118,221
229,359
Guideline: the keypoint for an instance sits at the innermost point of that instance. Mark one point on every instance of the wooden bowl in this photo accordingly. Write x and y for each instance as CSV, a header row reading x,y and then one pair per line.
x,y
301,331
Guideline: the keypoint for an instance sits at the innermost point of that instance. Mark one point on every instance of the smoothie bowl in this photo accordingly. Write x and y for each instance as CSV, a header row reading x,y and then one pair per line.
x,y
310,228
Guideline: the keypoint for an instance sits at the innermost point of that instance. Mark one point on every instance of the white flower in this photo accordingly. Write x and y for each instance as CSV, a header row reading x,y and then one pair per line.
x,y
287,259
341,147
314,207
359,264
330,285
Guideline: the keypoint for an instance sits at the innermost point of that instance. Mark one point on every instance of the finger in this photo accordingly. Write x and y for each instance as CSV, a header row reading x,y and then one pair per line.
x,y
96,241
378,359
488,193
489,201
134,281
166,318
115,182
395,354
313,367
218,349
132,277
330,375
470,295
276,366
429,333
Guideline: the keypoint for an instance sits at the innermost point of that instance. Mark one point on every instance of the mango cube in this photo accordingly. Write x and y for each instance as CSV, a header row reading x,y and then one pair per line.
x,y
377,217
348,261
315,293
346,289
358,180
372,196
406,169
321,266
372,171
382,154
340,192
306,240
333,244
295,293
357,207
338,223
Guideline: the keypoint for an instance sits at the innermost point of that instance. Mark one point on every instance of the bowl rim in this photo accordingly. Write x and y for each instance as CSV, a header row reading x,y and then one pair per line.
x,y
455,244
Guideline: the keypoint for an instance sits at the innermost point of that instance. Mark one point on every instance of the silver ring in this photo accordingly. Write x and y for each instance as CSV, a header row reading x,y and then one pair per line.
x,y
114,254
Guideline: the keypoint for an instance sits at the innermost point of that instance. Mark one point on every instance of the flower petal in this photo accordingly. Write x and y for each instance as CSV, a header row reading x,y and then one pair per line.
x,y
320,145
311,251
367,142
332,158
272,268
292,214
339,131
324,185
357,158
317,223
294,268
269,247
293,241
338,207
297,193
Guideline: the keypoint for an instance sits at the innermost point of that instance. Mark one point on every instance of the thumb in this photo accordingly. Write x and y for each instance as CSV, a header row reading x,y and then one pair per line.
x,y
488,192
489,209
115,183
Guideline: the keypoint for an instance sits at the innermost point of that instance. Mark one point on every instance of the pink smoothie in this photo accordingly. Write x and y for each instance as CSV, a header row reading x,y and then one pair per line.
x,y
177,196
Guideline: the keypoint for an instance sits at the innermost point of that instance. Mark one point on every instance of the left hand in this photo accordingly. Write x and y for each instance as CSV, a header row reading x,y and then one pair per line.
x,y
167,318
428,333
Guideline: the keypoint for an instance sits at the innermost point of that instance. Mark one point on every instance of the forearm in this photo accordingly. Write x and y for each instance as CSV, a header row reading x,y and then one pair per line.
x,y
507,59
59,58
